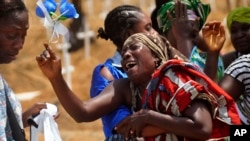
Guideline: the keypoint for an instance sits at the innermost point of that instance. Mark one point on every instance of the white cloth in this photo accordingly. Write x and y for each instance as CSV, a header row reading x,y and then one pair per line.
x,y
46,125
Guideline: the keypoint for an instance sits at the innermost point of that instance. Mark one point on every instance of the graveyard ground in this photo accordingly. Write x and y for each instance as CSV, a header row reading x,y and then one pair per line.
x,y
24,75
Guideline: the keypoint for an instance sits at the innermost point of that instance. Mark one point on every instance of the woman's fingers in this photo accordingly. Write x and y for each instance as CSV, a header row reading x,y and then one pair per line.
x,y
49,50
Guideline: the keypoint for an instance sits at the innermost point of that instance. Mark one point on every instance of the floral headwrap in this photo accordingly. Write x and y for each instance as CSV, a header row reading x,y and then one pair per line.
x,y
201,10
241,15
154,42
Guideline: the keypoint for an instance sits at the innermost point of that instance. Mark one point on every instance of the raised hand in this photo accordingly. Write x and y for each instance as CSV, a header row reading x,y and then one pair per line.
x,y
49,63
182,25
184,28
214,35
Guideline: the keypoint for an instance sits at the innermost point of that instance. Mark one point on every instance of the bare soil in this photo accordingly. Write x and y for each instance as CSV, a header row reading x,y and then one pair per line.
x,y
24,75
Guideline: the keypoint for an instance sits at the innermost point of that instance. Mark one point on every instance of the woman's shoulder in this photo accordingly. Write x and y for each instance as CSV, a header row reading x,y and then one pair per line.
x,y
245,56
122,87
243,61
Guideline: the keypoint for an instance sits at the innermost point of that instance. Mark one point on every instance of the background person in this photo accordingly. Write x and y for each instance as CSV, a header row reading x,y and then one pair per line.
x,y
13,29
120,22
236,79
143,56
193,15
177,97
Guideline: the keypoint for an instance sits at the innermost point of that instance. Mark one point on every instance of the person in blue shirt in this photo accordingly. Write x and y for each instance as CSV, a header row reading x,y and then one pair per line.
x,y
120,23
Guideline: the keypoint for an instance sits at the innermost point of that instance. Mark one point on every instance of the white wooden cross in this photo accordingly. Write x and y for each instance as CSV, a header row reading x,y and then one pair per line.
x,y
89,6
86,35
67,68
106,8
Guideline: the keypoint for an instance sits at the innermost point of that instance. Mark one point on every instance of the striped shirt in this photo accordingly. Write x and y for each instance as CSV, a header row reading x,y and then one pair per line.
x,y
240,70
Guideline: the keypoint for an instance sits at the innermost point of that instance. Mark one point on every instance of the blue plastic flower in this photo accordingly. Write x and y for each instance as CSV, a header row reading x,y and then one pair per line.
x,y
50,6
68,10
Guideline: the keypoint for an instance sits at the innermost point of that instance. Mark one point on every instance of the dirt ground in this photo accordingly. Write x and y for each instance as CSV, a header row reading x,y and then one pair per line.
x,y
24,75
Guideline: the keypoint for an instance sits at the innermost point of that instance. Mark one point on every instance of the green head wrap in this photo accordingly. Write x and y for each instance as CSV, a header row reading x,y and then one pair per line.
x,y
241,15
201,10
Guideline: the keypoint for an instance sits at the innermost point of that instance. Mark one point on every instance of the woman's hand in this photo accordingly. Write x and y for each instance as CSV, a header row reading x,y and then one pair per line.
x,y
132,126
137,125
183,29
214,35
32,111
49,63
182,26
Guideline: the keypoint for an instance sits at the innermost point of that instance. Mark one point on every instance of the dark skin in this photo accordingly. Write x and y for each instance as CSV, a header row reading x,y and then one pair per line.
x,y
214,36
108,100
180,24
147,123
240,36
197,118
182,27
140,121
13,31
12,37
144,25
232,86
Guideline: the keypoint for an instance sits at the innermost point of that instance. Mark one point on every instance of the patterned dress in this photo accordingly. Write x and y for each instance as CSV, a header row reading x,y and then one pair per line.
x,y
5,130
240,70
176,84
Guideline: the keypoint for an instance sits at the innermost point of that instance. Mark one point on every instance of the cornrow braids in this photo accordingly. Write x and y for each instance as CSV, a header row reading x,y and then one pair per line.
x,y
9,8
118,21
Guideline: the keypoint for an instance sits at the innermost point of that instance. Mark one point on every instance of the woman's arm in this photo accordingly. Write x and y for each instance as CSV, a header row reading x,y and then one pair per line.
x,y
232,86
213,34
182,29
81,111
195,123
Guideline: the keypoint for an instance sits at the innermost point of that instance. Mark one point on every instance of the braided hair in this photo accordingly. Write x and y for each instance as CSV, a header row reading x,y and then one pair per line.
x,y
118,21
10,8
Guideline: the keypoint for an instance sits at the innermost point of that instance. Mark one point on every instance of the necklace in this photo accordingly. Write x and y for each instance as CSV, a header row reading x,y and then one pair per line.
x,y
136,98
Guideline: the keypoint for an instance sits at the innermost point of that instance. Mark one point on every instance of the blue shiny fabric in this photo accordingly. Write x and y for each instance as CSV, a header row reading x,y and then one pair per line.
x,y
98,83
